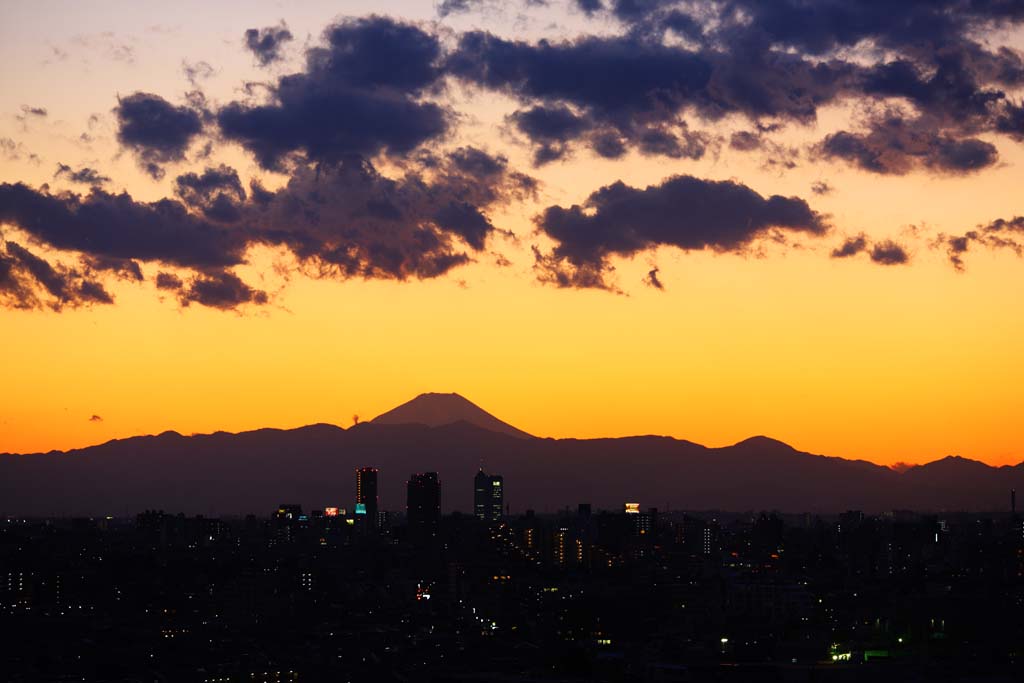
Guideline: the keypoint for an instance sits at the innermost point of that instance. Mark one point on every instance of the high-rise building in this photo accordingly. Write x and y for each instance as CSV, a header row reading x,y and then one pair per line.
x,y
488,496
367,500
423,505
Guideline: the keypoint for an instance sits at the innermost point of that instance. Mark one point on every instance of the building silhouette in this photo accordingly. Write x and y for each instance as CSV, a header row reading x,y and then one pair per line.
x,y
488,496
367,499
423,505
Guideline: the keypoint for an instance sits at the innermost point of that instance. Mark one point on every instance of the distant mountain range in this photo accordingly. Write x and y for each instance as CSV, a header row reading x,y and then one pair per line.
x,y
225,474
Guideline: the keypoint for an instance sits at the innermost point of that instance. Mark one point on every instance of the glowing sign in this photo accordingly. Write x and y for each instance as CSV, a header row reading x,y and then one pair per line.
x,y
632,508
330,512
360,508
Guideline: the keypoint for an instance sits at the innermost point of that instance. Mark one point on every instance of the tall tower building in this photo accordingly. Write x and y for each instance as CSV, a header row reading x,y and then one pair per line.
x,y
423,505
367,500
488,496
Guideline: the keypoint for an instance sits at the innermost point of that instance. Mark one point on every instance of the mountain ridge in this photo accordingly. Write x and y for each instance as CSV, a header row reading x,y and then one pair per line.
x,y
252,471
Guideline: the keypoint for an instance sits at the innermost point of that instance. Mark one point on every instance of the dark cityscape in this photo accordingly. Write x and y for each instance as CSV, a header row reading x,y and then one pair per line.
x,y
357,592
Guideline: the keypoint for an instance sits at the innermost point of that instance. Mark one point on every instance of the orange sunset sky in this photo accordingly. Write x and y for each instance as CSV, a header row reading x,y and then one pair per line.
x,y
894,353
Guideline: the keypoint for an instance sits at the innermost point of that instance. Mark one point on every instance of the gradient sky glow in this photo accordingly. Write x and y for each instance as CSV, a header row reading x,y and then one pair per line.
x,y
906,362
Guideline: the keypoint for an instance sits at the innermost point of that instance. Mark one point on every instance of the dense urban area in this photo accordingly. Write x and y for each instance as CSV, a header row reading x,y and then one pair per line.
x,y
356,593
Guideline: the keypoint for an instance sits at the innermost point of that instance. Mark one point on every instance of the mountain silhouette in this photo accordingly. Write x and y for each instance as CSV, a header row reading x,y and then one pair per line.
x,y
251,472
437,410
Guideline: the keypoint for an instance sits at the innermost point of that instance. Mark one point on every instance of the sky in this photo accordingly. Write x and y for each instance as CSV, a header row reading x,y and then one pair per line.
x,y
593,218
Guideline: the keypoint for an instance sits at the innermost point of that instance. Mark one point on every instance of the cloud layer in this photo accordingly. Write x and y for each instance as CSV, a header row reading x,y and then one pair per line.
x,y
379,185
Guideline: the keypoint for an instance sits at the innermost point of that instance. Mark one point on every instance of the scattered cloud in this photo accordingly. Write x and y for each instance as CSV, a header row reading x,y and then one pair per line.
x,y
82,176
851,247
266,44
223,290
999,234
449,7
168,281
197,72
886,253
652,279
889,253
30,112
28,281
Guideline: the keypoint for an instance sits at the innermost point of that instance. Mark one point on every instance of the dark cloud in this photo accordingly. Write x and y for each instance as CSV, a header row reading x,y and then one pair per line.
x,y
548,124
266,43
780,61
644,86
125,269
223,290
652,279
83,176
609,145
350,221
473,162
550,128
30,281
449,7
28,111
637,96
168,281
589,7
895,145
745,141
156,130
358,96
1010,121
101,224
820,187
344,220
683,212
823,26
466,221
886,252
217,193
889,253
95,418
636,10
999,234
851,247
676,145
